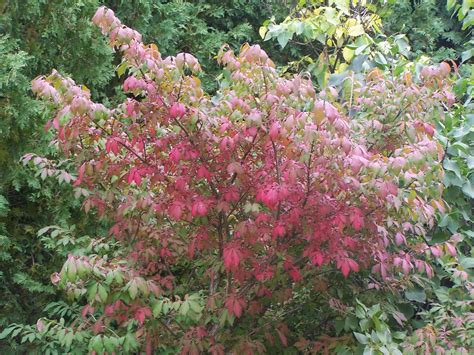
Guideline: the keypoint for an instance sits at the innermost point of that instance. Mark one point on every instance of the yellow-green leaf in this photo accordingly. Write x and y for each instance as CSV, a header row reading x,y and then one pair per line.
x,y
356,30
348,54
121,68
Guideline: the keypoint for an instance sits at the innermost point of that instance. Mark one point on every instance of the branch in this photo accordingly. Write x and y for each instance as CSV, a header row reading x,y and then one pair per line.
x,y
277,167
308,173
234,176
133,152
168,329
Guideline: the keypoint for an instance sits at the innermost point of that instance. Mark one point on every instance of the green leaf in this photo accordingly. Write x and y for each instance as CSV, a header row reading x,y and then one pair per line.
x,y
466,55
399,335
361,49
342,5
157,308
31,337
16,332
92,291
6,332
130,343
299,27
416,294
43,230
262,31
466,263
102,293
350,322
444,221
68,339
3,206
320,71
339,325
96,344
359,311
283,38
143,287
459,146
358,63
23,339
384,335
195,306
450,179
450,4
470,162
365,324
380,59
166,307
465,7
194,296
176,305
118,277
223,318
451,165
468,189
109,344
337,79
443,294
361,338
133,290
184,309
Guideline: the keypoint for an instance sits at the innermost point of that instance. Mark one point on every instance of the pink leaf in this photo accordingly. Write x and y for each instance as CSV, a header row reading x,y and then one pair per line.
x,y
400,239
175,211
199,208
357,219
451,249
177,110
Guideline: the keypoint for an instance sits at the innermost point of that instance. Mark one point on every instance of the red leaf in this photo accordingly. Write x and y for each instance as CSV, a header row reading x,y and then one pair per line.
x,y
357,219
345,268
346,265
317,258
88,309
232,256
235,305
141,314
175,211
199,208
282,337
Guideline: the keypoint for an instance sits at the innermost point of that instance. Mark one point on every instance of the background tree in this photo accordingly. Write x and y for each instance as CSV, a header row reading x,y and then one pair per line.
x,y
430,27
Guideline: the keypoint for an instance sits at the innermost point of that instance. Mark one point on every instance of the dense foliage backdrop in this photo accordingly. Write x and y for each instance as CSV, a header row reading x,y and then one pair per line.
x,y
352,52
